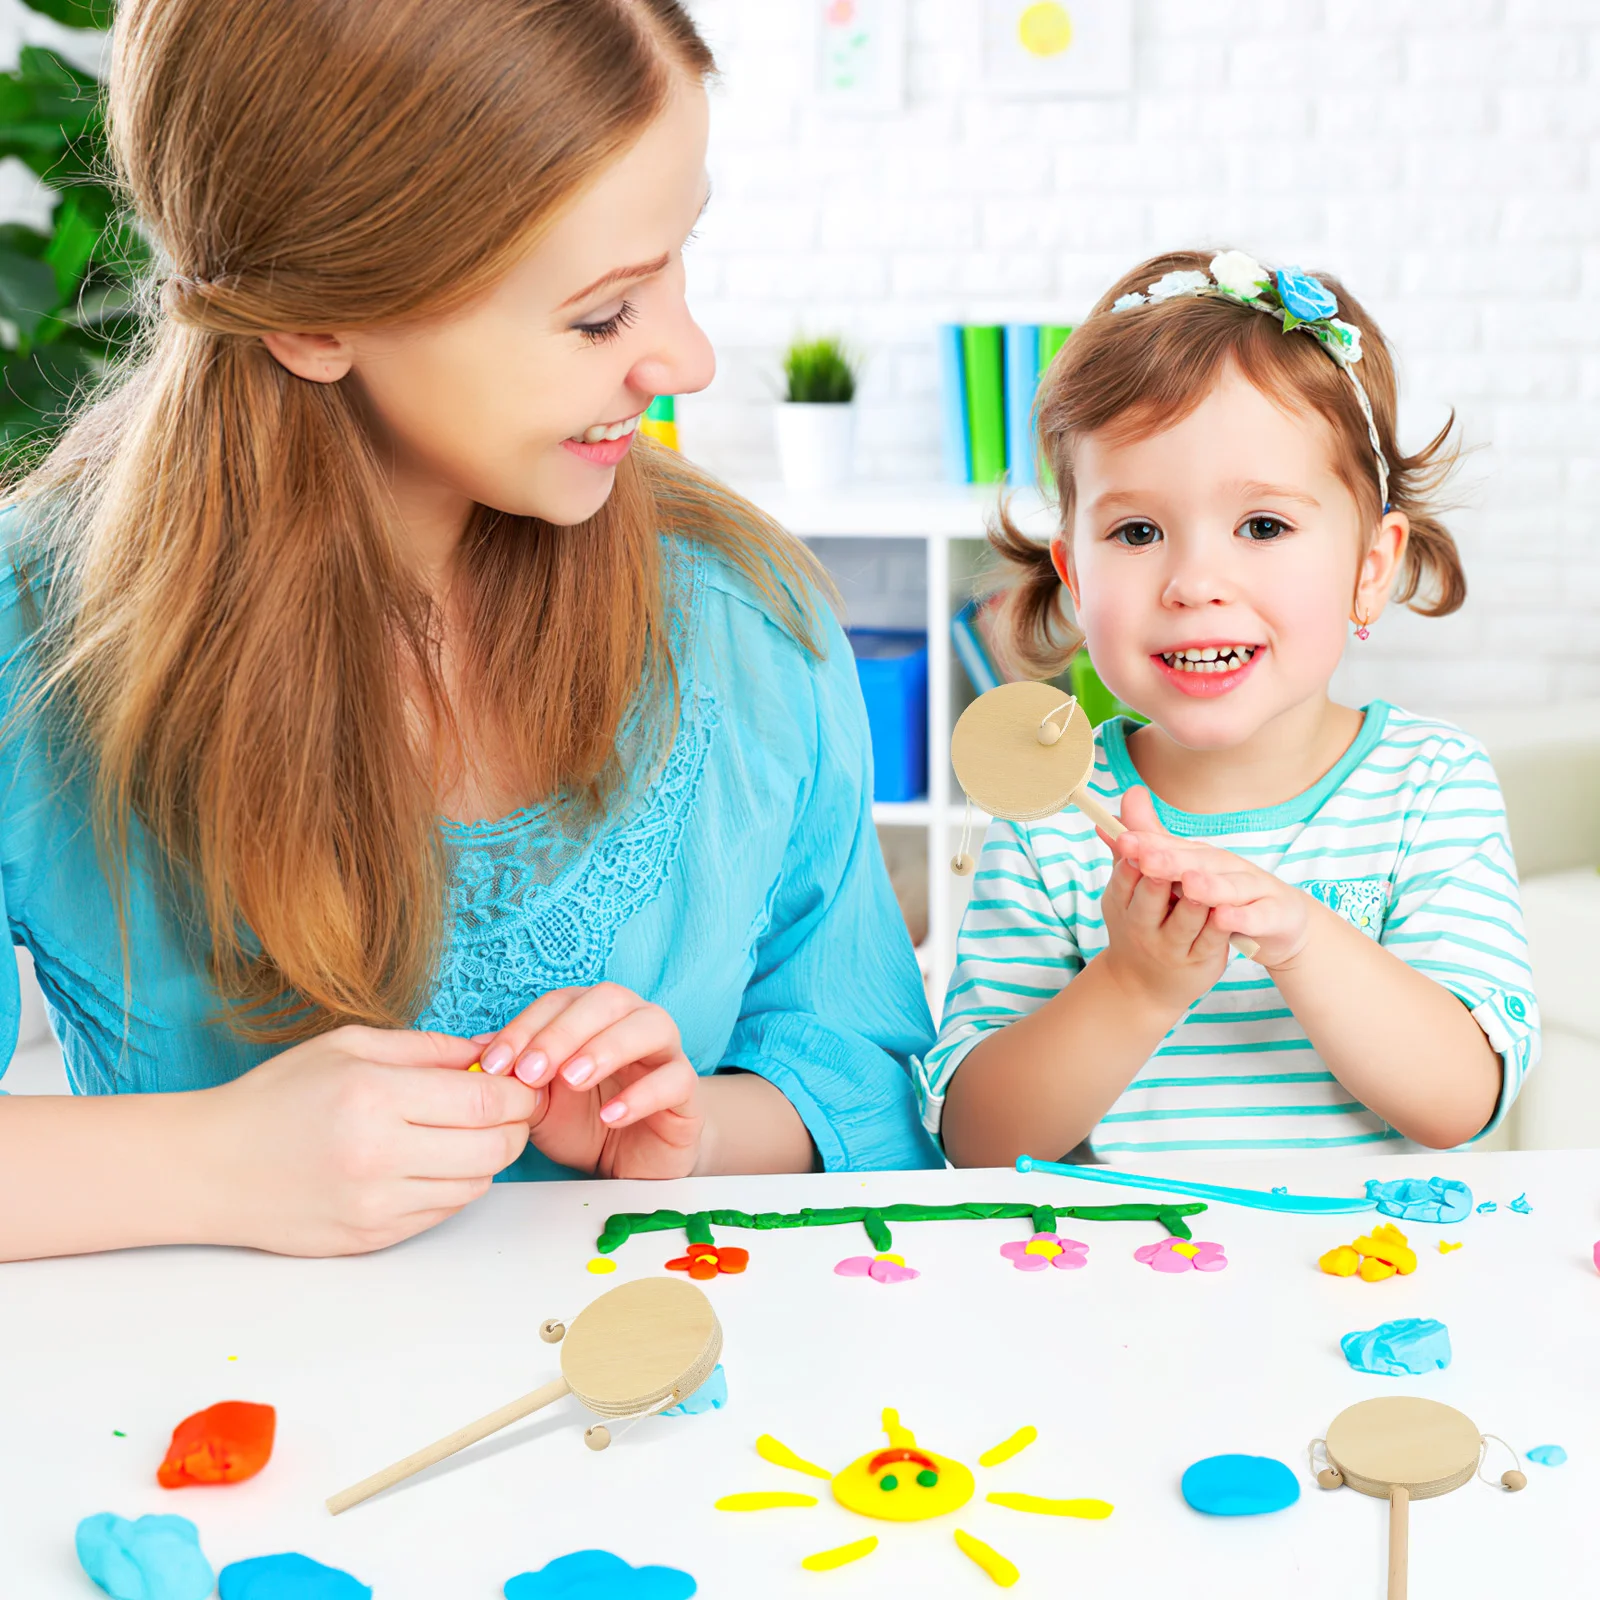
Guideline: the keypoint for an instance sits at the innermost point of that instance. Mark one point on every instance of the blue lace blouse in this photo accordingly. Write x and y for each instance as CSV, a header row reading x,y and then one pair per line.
x,y
741,887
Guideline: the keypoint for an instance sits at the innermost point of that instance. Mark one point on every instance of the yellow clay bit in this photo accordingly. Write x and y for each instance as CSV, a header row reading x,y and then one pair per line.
x,y
1341,1262
764,1500
1447,1245
601,1265
1388,1245
990,1559
840,1555
1015,1445
1090,1510
780,1455
1375,1271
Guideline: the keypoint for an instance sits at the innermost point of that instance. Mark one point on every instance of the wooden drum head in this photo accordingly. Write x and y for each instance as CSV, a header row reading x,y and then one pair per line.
x,y
1000,762
1401,1442
640,1345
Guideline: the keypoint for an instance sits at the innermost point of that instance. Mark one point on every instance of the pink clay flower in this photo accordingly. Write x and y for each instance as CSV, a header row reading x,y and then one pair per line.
x,y
1045,1250
1182,1255
881,1269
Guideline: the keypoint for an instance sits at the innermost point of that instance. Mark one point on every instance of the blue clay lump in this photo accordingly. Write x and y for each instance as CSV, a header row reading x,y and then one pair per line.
x,y
1411,1345
290,1576
599,1575
1239,1486
153,1558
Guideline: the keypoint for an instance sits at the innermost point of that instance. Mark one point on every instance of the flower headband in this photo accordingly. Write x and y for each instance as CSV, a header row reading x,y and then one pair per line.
x,y
1295,298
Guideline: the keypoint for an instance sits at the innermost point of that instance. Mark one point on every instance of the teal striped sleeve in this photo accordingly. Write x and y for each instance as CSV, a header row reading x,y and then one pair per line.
x,y
1015,951
1455,913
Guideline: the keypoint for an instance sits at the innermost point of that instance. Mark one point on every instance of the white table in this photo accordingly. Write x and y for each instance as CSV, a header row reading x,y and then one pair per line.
x,y
1129,1375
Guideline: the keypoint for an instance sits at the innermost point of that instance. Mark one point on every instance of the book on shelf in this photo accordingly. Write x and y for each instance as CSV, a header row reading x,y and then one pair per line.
x,y
978,647
989,381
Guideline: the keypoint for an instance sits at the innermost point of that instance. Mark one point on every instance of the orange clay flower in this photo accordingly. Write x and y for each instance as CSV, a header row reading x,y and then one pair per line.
x,y
707,1260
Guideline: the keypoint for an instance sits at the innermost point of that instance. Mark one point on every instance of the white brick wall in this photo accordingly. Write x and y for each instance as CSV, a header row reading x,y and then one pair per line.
x,y
1442,156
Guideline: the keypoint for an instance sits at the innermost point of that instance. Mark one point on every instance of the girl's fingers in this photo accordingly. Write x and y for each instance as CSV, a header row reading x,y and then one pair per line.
x,y
1149,901
1211,941
500,1051
645,1037
668,1088
1185,921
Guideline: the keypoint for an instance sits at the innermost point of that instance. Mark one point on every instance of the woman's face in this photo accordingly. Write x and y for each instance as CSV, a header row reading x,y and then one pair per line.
x,y
527,399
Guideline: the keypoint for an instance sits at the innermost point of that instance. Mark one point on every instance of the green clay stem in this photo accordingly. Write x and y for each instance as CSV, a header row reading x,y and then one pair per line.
x,y
625,1224
877,1230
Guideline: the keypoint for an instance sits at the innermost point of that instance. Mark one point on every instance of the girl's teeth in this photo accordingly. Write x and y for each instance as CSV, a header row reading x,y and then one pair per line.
x,y
1210,659
599,434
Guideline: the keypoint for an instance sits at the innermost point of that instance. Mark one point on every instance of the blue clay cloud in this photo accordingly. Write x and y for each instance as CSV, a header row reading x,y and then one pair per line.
x,y
153,1558
290,1576
599,1575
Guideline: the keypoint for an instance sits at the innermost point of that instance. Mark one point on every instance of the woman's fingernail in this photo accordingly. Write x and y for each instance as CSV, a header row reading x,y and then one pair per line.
x,y
531,1065
614,1112
496,1058
577,1071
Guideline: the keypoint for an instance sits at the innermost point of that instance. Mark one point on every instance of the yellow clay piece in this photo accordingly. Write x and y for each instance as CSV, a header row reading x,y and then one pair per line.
x,y
841,1555
780,1455
1090,1510
1447,1245
1182,1247
474,1067
987,1557
1388,1244
1015,1445
1341,1262
764,1500
1375,1271
889,1255
601,1265
1041,1247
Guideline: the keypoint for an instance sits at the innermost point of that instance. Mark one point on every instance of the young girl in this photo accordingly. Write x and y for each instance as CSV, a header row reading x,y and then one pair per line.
x,y
374,705
1231,494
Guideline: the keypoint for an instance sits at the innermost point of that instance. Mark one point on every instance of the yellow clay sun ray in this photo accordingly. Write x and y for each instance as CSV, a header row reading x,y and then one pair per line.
x,y
1090,1510
780,1455
764,1500
986,1556
1014,1446
840,1555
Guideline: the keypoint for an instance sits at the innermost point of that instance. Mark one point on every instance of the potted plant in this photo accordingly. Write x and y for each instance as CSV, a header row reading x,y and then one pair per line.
x,y
816,418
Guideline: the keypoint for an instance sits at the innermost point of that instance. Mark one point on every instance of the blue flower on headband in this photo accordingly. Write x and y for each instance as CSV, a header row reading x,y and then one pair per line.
x,y
1305,298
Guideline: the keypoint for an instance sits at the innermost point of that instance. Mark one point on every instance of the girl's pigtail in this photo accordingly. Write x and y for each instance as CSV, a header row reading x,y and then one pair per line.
x,y
1036,630
1432,581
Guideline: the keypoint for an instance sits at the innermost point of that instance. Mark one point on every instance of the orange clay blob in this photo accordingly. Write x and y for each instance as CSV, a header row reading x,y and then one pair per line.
x,y
225,1443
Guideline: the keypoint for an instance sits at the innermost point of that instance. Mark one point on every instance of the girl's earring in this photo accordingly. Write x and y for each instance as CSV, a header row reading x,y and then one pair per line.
x,y
1363,631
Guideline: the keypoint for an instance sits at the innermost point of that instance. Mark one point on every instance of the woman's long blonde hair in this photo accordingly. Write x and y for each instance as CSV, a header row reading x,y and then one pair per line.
x,y
226,626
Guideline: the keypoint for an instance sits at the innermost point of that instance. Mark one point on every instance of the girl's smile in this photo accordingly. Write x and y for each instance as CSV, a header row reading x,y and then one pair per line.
x,y
1208,668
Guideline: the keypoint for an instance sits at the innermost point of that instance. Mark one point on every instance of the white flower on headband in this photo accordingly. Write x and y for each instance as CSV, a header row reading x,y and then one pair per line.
x,y
1178,283
1129,301
1239,275
1346,337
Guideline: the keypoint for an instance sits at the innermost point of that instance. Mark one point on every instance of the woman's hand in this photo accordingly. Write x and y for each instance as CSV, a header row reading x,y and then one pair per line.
x,y
615,1094
357,1139
1239,896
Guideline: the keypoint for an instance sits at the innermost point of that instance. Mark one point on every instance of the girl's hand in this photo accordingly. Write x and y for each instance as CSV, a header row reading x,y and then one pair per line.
x,y
1241,897
355,1140
614,1093
1165,950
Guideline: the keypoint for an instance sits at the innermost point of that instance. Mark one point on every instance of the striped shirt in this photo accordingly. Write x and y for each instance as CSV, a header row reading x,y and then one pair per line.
x,y
1405,838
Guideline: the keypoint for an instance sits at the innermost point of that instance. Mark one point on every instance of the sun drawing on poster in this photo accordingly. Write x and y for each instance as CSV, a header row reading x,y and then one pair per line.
x,y
1045,29
906,1483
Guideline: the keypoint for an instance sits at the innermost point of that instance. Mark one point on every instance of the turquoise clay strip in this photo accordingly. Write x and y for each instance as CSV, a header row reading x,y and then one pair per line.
x,y
875,1219
1307,1204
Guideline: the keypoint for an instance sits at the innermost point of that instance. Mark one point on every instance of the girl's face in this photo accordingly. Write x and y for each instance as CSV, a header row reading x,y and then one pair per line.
x,y
1214,565
527,399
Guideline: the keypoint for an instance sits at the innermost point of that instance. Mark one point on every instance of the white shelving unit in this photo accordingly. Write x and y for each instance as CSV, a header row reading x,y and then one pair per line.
x,y
950,522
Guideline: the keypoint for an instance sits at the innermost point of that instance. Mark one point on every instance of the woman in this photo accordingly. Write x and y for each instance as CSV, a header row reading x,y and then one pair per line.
x,y
378,703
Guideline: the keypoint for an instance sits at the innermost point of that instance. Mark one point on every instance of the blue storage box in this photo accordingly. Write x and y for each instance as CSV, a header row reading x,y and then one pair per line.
x,y
893,666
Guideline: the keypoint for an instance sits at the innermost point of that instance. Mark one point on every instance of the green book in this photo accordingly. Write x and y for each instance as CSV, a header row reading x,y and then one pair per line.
x,y
1051,338
1052,335
984,359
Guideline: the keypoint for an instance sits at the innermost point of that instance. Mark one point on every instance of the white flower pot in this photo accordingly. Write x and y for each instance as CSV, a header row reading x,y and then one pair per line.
x,y
816,444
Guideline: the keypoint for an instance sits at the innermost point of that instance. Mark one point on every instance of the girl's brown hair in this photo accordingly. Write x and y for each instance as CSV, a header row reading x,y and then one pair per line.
x,y
227,625
1138,371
